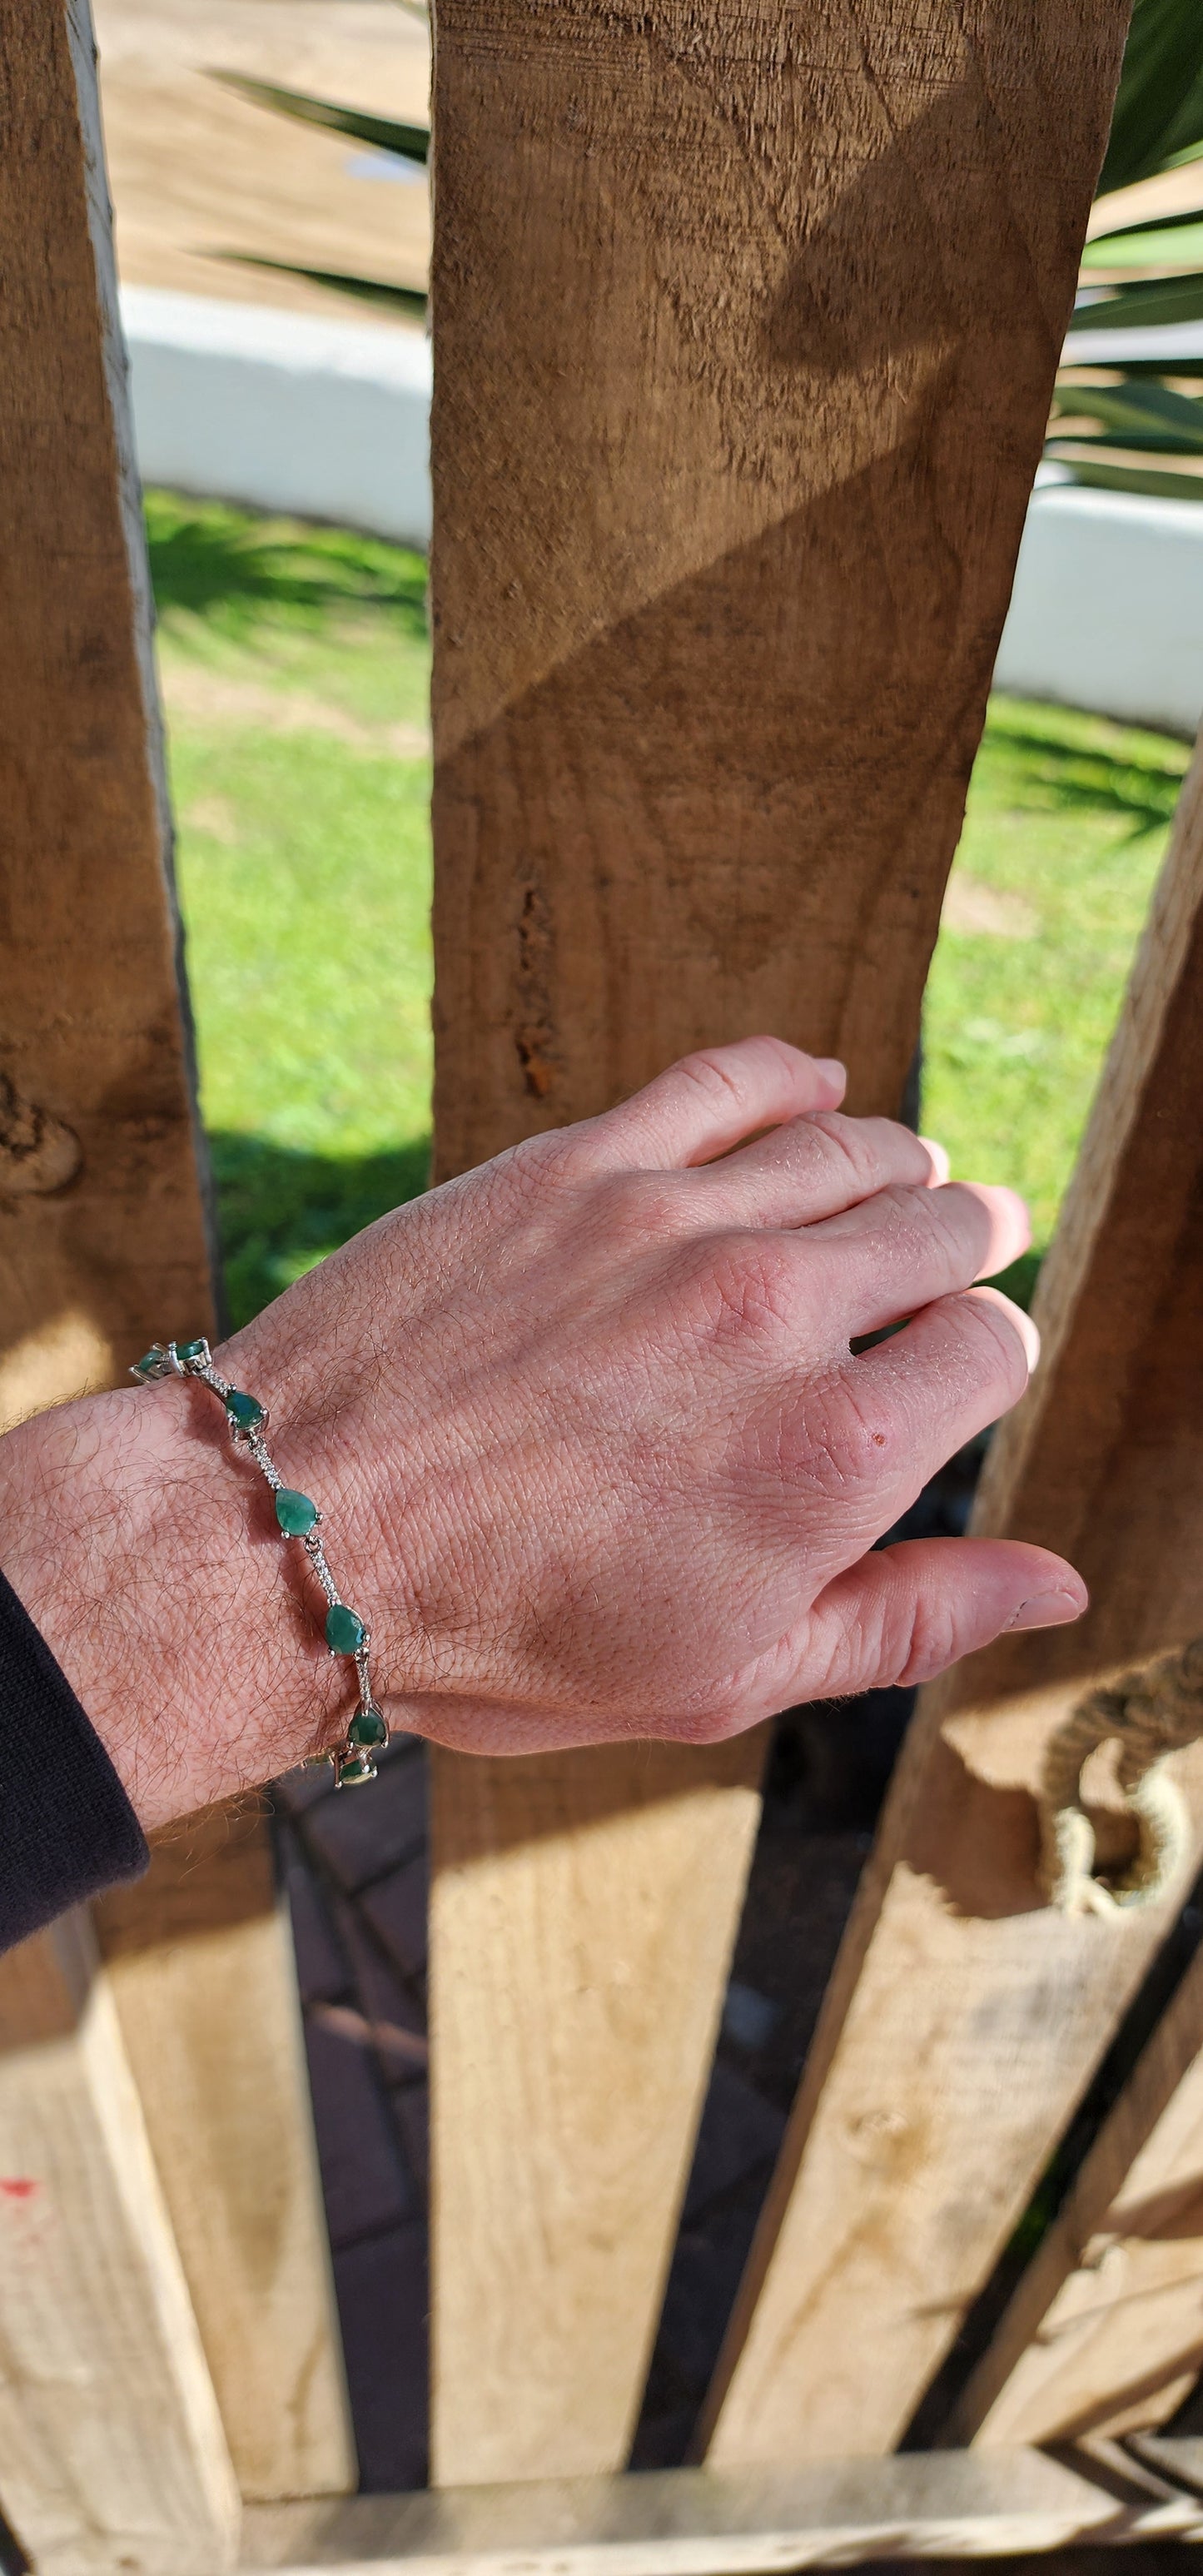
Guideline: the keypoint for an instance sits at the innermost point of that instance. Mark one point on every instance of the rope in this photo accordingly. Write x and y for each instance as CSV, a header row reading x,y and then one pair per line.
x,y
1152,1712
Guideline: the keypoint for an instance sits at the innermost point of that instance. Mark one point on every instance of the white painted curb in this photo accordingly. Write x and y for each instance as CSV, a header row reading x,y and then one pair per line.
x,y
1107,609
330,420
238,402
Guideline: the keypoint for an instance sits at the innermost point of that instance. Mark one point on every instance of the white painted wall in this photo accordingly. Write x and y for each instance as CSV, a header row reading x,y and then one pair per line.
x,y
237,402
1107,609
330,420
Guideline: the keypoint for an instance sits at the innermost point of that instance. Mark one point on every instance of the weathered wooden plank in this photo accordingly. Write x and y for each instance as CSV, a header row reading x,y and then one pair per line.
x,y
965,2016
686,2522
1105,2332
582,1917
111,2446
746,329
199,1957
104,1225
103,1241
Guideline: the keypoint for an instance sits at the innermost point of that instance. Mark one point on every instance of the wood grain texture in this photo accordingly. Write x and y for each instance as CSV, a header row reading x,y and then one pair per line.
x,y
582,1917
682,2522
747,319
1104,2335
102,1231
103,1240
200,1962
965,2017
112,2453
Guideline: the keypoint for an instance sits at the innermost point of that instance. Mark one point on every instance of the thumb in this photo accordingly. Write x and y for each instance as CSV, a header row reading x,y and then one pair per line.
x,y
907,1612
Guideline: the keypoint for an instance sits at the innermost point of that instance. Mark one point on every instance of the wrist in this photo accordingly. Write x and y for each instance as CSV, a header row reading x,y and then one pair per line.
x,y
148,1554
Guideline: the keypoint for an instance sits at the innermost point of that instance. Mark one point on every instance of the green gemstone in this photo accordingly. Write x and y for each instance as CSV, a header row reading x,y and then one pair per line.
x,y
345,1631
295,1513
244,1410
352,1774
198,1350
368,1727
150,1362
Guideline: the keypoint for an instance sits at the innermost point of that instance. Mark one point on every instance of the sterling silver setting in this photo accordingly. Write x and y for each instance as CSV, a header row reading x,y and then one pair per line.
x,y
353,1760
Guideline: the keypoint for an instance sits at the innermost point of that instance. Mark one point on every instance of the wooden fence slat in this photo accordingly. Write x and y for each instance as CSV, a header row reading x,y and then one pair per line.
x,y
199,1958
111,2446
103,1241
965,2017
744,349
1104,2334
581,1922
954,2506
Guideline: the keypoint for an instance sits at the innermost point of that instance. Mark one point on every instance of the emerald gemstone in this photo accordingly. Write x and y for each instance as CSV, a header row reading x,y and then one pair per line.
x,y
345,1631
368,1727
352,1774
150,1363
244,1410
295,1512
198,1350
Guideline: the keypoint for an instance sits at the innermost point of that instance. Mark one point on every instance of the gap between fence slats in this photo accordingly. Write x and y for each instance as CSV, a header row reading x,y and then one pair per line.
x,y
965,2017
1105,2332
104,1245
743,361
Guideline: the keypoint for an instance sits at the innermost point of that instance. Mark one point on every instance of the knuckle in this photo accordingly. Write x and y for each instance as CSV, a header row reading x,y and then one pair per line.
x,y
636,1211
989,1331
847,1440
925,1643
751,1289
712,1075
852,1144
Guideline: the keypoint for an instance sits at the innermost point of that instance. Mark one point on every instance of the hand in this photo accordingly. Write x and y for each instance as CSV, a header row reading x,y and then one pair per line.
x,y
594,1454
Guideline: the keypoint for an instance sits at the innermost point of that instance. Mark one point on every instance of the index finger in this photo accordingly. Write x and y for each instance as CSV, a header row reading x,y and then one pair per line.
x,y
709,1102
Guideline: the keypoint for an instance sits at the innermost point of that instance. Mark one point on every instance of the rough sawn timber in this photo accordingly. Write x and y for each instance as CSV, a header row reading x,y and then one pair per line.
x,y
112,2453
1104,2334
760,2522
965,2017
747,324
104,1245
200,1960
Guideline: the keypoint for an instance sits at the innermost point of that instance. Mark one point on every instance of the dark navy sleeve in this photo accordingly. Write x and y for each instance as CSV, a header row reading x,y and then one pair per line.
x,y
67,1828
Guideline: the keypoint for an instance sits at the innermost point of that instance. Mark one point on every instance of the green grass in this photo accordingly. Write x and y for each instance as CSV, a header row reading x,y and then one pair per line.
x,y
295,664
304,870
1067,823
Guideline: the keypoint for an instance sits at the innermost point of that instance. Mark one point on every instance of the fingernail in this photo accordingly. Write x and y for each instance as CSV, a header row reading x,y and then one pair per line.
x,y
1047,1610
831,1066
939,1156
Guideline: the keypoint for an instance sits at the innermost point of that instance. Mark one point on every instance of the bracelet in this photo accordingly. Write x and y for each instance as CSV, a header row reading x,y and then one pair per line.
x,y
346,1633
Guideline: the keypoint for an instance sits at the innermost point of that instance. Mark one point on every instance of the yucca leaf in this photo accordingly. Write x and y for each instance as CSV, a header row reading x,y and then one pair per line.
x,y
1159,110
1152,367
1148,413
408,142
368,290
1132,478
1154,301
1174,245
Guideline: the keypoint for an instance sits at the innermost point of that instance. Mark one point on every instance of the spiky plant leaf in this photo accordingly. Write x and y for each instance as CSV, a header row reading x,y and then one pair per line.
x,y
1177,244
1147,412
1156,301
368,290
386,133
1159,110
